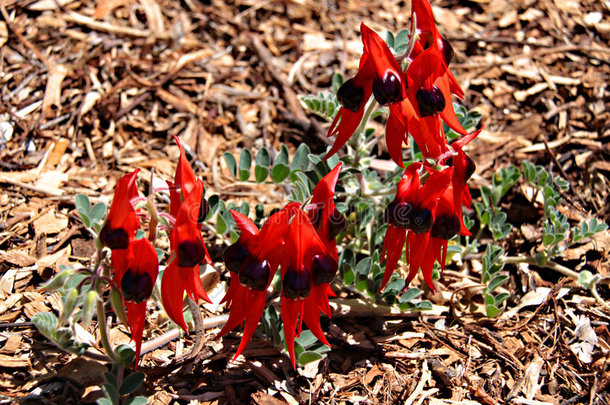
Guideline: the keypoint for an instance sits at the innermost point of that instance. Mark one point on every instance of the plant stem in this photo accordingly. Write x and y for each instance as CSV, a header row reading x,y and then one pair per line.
x,y
103,327
549,265
595,295
365,118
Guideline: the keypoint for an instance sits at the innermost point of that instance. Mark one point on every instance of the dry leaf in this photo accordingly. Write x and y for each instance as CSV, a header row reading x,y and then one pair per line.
x,y
52,93
44,5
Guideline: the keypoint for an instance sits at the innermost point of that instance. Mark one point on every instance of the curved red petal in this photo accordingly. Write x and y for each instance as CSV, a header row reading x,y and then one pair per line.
x,y
393,244
172,293
185,177
136,314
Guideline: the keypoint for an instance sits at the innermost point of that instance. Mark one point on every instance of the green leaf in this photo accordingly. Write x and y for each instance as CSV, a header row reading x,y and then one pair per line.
x,y
424,306
306,339
500,298
300,161
496,282
279,172
336,82
46,323
110,378
348,277
389,39
111,393
104,401
245,161
492,310
221,225
97,212
131,383
584,279
231,163
261,167
402,38
282,156
410,294
82,204
139,400
309,356
126,355
548,239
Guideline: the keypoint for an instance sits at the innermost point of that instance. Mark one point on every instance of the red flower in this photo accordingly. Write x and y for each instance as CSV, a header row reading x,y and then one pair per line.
x,y
307,268
327,219
184,183
136,275
188,251
122,222
308,258
411,216
379,74
252,260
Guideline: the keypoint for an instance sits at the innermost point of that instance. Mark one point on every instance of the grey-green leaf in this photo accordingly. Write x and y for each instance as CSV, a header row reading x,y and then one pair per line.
x,y
231,163
131,383
245,161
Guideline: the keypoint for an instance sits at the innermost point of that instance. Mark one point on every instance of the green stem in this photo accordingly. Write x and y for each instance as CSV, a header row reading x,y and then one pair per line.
x,y
597,297
103,327
549,265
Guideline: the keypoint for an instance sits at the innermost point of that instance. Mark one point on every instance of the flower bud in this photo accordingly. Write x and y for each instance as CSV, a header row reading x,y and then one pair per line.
x,y
255,274
296,284
116,300
70,302
190,253
58,281
422,221
234,257
430,101
136,287
350,96
388,90
324,269
88,308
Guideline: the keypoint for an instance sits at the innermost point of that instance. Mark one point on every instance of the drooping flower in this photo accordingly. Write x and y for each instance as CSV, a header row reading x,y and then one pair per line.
x,y
324,215
306,272
411,217
252,261
122,222
136,276
188,252
308,258
379,75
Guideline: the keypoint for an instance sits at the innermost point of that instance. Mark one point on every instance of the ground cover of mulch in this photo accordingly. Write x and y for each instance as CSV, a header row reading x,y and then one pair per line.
x,y
92,90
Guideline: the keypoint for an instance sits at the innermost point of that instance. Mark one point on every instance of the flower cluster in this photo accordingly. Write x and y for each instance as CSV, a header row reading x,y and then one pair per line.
x,y
189,209
299,240
419,102
135,261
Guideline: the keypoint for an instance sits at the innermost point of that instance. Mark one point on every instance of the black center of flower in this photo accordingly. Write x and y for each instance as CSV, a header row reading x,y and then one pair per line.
x,y
445,227
324,269
255,274
350,96
387,90
470,167
422,221
234,256
136,287
336,223
204,208
114,238
447,50
296,284
430,101
399,214
190,253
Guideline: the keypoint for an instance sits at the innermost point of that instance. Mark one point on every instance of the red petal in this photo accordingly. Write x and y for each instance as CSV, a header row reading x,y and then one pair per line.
x,y
172,293
344,125
290,313
136,314
185,177
393,244
396,133
255,305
